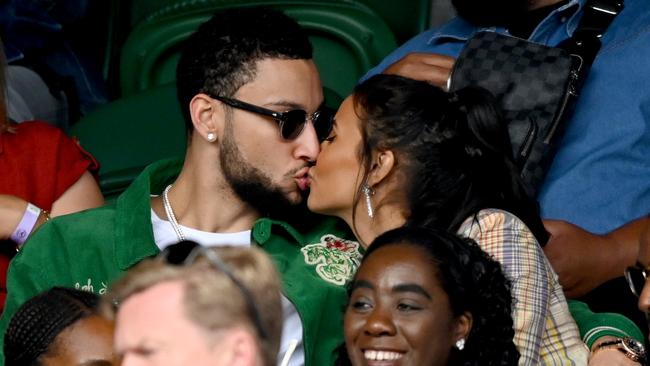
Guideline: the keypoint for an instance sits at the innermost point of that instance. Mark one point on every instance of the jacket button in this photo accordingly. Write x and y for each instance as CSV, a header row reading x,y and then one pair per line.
x,y
262,231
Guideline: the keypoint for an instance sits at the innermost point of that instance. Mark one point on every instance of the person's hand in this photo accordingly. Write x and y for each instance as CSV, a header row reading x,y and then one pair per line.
x,y
582,260
12,210
432,68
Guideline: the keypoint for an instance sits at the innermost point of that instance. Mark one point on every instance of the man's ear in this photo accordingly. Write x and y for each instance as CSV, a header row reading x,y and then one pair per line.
x,y
207,117
243,348
463,326
381,165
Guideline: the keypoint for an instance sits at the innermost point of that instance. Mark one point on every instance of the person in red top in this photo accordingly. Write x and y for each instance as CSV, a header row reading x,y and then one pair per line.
x,y
43,173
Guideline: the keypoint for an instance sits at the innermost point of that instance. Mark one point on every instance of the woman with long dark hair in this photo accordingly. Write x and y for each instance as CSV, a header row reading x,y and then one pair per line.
x,y
403,152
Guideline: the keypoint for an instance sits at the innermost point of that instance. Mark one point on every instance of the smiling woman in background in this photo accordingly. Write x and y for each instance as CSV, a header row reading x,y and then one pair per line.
x,y
429,298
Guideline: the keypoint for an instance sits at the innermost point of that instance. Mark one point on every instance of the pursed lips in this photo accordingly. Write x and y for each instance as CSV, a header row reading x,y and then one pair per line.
x,y
303,178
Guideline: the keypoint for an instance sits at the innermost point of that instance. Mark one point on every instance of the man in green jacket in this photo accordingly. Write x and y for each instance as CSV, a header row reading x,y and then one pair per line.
x,y
251,97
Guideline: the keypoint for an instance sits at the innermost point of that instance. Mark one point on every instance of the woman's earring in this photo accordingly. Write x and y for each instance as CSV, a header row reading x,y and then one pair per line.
x,y
367,191
460,344
212,137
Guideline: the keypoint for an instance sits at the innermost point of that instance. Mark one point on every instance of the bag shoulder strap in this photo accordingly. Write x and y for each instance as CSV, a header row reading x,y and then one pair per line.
x,y
585,42
598,15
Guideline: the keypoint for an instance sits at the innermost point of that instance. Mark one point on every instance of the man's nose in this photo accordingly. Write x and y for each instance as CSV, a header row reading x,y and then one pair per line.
x,y
307,144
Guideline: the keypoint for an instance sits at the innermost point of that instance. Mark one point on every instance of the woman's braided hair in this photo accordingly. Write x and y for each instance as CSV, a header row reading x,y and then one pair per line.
x,y
37,323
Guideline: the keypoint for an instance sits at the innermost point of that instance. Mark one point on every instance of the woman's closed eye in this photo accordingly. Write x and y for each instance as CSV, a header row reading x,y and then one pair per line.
x,y
360,304
408,306
330,138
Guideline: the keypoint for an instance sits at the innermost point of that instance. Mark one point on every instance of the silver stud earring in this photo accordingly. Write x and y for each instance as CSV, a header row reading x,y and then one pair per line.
x,y
460,344
212,137
367,191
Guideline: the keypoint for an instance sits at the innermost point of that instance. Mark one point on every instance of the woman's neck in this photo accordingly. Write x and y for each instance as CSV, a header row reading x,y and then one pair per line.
x,y
385,218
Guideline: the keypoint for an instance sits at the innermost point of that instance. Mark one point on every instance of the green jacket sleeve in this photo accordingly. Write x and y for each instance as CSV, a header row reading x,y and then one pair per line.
x,y
595,325
27,275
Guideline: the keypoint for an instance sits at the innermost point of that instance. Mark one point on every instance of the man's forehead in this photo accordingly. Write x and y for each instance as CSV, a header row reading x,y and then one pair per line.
x,y
287,82
166,296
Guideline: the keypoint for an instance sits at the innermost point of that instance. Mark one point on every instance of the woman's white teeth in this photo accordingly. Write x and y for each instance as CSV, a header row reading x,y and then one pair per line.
x,y
381,355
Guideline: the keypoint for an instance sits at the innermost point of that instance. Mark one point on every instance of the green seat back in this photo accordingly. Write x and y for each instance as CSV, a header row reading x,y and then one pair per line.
x,y
128,134
406,18
348,39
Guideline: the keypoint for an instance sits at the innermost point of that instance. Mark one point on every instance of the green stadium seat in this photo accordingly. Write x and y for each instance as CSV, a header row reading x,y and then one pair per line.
x,y
128,134
348,39
406,18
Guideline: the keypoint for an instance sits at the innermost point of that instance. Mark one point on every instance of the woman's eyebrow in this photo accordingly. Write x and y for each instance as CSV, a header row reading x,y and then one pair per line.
x,y
411,287
361,284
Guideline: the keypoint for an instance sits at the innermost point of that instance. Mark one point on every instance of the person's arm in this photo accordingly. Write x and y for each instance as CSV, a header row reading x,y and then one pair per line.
x,y
610,357
596,328
83,194
514,246
12,210
432,68
575,254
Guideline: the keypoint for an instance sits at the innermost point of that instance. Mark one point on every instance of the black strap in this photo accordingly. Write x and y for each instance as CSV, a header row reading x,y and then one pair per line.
x,y
585,42
598,15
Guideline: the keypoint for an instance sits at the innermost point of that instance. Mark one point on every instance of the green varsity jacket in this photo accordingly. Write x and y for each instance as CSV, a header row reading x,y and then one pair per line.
x,y
90,249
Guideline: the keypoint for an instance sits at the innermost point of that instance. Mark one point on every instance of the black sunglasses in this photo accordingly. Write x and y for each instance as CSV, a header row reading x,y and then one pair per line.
x,y
186,252
636,277
291,122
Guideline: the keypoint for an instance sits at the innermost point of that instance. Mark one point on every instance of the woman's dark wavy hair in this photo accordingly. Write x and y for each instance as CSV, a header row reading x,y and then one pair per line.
x,y
474,283
452,151
37,323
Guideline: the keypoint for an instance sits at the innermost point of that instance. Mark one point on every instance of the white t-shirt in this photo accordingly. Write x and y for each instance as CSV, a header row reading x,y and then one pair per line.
x,y
164,235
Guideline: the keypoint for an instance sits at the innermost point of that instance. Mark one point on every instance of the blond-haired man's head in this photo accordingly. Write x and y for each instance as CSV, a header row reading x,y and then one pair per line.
x,y
195,313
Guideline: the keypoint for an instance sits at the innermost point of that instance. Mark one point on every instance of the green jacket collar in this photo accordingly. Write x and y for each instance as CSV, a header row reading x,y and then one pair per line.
x,y
133,213
133,217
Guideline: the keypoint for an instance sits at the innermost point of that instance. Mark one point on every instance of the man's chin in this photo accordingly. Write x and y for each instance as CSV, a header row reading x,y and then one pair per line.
x,y
289,210
297,197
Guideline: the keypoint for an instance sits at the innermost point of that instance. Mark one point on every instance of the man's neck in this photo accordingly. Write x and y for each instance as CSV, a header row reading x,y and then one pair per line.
x,y
201,199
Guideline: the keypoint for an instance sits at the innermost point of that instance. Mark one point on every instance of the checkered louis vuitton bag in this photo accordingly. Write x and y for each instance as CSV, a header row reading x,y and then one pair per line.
x,y
536,85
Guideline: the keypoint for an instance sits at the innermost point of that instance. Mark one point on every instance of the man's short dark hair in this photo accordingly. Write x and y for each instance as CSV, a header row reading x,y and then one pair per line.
x,y
221,55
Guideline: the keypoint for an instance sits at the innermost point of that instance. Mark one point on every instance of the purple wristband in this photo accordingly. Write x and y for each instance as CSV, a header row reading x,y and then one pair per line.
x,y
26,224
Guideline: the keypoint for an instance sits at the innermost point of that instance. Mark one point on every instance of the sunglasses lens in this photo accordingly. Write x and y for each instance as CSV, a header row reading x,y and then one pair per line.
x,y
293,123
323,122
635,279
